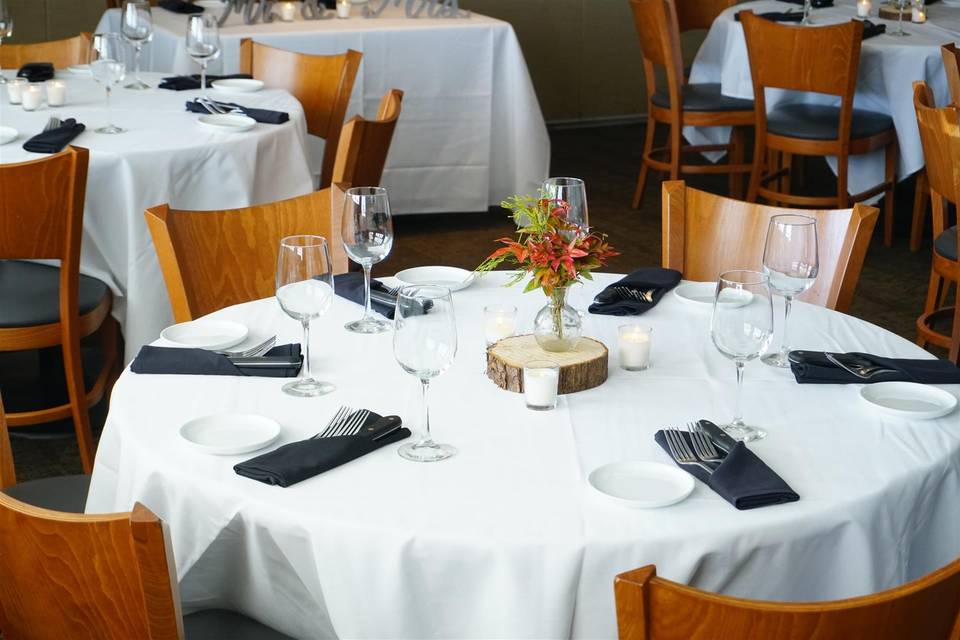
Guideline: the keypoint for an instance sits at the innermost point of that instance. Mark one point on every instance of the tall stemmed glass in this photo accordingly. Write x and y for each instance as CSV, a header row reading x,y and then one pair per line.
x,y
203,43
6,30
574,192
901,4
807,10
367,231
305,292
108,68
741,329
791,261
425,343
138,30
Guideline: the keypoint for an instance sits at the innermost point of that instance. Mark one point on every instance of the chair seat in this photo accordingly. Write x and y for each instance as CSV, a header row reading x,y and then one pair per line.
x,y
30,294
821,122
217,624
946,243
60,493
703,97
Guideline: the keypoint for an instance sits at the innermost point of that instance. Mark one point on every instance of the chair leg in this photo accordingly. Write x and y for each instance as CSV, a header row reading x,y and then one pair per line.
x,y
73,367
676,146
921,198
786,164
954,355
756,173
944,293
933,295
644,166
890,178
735,155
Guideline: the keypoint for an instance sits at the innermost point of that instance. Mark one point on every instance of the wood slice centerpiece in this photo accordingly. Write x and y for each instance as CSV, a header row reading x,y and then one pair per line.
x,y
585,367
891,11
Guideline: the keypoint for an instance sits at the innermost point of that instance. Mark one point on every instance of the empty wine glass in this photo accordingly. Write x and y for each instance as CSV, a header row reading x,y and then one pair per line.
x,y
807,10
108,68
137,28
305,292
6,30
424,344
574,192
741,329
790,260
203,43
367,232
901,4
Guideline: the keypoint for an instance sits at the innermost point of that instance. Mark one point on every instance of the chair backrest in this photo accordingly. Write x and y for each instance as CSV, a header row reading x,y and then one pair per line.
x,y
705,234
652,608
364,144
215,259
951,64
322,84
85,577
940,136
656,23
8,476
700,14
60,53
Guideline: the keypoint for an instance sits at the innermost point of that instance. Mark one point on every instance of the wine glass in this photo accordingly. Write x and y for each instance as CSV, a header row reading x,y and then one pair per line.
x,y
305,292
790,260
367,232
108,68
807,10
574,193
6,29
203,43
741,329
424,344
138,30
901,4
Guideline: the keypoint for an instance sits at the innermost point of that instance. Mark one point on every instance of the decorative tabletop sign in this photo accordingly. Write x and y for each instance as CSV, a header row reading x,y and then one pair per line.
x,y
415,8
255,11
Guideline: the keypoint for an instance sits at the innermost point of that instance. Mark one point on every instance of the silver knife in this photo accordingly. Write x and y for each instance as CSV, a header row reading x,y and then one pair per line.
x,y
718,436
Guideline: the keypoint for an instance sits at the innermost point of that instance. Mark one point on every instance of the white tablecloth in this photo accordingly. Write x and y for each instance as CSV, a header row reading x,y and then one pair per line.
x,y
163,157
505,540
888,67
471,132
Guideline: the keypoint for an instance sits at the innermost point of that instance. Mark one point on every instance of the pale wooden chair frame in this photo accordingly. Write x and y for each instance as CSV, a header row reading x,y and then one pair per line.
x,y
61,53
364,144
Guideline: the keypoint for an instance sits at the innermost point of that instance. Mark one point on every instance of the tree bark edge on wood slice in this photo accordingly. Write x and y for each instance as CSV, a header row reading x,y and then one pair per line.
x,y
583,368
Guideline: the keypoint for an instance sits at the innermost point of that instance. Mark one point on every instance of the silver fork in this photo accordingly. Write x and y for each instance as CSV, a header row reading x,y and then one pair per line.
x,y
53,123
340,417
213,107
253,351
702,445
640,296
680,450
352,426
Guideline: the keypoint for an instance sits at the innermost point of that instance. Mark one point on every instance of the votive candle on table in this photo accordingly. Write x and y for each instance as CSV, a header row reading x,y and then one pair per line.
x,y
15,89
634,347
288,11
32,97
918,14
56,93
541,379
343,8
863,8
499,322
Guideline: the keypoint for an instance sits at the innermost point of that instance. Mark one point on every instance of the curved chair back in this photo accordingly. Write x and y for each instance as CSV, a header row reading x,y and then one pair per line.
x,y
364,144
940,136
61,53
951,64
700,14
8,475
656,23
705,234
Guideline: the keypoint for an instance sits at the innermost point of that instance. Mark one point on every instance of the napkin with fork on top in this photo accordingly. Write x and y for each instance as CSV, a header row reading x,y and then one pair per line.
x,y
54,140
266,116
636,293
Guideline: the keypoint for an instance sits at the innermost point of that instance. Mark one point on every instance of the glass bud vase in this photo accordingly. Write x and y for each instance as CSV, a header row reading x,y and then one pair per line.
x,y
558,326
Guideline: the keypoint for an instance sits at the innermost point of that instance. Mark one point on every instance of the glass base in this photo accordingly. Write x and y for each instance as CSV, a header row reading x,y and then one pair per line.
x,y
899,34
744,433
778,359
110,128
3,79
308,388
367,325
137,84
426,451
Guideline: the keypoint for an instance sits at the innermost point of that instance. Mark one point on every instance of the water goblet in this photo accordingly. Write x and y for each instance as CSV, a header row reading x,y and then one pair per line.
x,y
367,232
901,5
574,192
107,68
137,28
203,43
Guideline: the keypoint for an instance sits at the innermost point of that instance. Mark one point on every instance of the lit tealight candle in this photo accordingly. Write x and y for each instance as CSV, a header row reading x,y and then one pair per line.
x,y
918,14
343,8
32,97
56,93
288,11
15,89
863,8
541,378
634,347
499,322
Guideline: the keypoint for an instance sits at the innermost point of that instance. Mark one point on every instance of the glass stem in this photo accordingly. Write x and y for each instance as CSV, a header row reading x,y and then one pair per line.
x,y
737,408
3,79
425,438
900,17
109,111
366,290
136,62
203,78
784,342
306,349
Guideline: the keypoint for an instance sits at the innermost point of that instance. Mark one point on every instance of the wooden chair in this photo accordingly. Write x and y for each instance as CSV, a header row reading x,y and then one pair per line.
x,y
652,608
61,53
364,144
705,234
43,306
940,135
215,259
96,578
821,60
322,84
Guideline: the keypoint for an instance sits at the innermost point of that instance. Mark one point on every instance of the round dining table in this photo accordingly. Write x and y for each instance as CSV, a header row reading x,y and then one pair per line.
x,y
507,539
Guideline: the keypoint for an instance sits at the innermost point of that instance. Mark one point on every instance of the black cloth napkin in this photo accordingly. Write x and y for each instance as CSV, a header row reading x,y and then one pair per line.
x,y
55,140
301,460
742,479
36,71
350,286
906,370
260,115
778,16
179,6
201,362
656,279
187,83
871,29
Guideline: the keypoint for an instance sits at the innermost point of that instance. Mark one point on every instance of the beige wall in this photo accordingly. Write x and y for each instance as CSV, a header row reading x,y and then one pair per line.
x,y
35,20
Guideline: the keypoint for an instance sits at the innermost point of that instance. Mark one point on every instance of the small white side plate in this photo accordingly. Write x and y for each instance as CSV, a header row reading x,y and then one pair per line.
x,y
205,334
237,85
227,434
80,69
452,278
641,485
229,123
909,399
703,293
8,135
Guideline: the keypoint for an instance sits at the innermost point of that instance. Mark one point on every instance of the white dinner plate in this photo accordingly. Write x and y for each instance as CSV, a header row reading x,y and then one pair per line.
x,y
703,293
237,85
227,434
8,134
80,69
909,399
229,123
641,485
452,278
205,334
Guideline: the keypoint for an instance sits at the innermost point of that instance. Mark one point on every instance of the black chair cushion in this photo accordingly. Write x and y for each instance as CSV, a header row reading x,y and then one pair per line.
x,y
703,97
219,624
820,122
60,493
946,244
30,294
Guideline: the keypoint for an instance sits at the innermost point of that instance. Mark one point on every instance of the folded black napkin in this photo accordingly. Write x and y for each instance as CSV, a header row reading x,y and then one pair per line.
x,y
187,83
655,280
179,6
201,362
260,115
298,461
814,371
36,71
55,140
778,16
871,29
742,479
350,286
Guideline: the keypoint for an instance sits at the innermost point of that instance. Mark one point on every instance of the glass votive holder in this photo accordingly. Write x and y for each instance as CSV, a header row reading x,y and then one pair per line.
x,y
634,346
863,8
32,97
541,379
499,322
288,11
918,11
15,89
343,8
56,93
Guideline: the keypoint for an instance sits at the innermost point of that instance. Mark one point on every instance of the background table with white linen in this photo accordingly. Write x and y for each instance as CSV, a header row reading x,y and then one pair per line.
x,y
888,67
506,540
163,157
471,131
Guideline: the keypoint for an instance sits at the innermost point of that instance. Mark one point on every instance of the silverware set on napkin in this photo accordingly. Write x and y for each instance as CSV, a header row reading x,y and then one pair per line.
x,y
345,422
645,295
704,452
860,367
252,352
